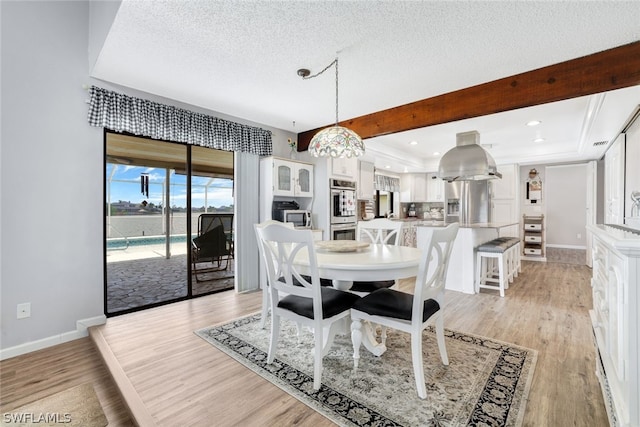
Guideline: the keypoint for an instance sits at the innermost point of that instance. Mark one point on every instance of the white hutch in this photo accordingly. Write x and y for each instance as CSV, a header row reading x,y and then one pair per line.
x,y
616,320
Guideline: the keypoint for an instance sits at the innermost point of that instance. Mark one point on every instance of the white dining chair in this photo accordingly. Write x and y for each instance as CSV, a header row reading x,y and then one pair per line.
x,y
379,230
293,297
265,283
265,286
412,313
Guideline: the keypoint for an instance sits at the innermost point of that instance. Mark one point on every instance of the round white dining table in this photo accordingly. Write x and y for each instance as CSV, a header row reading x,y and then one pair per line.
x,y
375,262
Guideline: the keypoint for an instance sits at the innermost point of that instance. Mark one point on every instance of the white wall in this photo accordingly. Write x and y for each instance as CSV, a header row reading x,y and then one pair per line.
x,y
566,192
527,208
563,204
52,172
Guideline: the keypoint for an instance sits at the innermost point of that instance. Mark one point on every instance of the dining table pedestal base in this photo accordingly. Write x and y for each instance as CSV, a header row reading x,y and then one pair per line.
x,y
368,335
342,285
362,333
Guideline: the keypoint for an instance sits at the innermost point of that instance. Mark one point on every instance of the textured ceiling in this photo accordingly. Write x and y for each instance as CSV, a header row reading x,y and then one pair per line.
x,y
240,58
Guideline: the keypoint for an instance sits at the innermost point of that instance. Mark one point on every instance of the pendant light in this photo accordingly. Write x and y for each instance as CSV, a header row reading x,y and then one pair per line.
x,y
334,141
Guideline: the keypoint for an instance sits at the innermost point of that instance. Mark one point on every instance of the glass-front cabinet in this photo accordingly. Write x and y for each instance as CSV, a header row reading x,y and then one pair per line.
x,y
292,179
283,178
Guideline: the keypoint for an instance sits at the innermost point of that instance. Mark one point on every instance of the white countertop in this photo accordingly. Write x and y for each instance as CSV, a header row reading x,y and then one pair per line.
x,y
624,241
495,225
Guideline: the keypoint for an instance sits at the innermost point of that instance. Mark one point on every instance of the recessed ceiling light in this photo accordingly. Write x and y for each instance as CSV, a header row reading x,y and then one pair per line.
x,y
533,123
413,143
387,167
436,153
538,140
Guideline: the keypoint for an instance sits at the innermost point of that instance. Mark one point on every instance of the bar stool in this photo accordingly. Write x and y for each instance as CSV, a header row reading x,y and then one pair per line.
x,y
512,255
496,264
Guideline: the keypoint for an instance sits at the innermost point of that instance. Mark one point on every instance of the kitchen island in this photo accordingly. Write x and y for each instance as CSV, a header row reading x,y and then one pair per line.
x,y
461,274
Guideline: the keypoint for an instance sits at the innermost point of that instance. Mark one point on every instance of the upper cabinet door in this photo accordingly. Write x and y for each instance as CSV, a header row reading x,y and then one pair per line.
x,y
365,181
304,181
435,188
505,187
614,182
283,177
292,179
413,187
345,167
420,188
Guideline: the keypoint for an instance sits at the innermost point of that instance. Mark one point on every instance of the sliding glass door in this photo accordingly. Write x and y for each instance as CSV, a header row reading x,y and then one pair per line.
x,y
212,256
152,212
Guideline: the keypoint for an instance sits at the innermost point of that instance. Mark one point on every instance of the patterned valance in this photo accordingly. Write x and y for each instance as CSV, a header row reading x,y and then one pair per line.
x,y
122,113
387,183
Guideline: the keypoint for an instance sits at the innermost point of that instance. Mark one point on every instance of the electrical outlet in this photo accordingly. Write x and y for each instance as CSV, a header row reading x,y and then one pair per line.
x,y
579,236
24,310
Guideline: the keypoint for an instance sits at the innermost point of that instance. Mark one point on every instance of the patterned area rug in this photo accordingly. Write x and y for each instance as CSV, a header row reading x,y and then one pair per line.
x,y
486,383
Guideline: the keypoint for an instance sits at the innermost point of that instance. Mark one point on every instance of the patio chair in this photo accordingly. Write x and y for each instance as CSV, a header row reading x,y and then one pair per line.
x,y
214,244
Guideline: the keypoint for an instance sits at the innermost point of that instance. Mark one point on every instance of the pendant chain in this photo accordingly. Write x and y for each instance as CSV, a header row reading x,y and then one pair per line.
x,y
335,61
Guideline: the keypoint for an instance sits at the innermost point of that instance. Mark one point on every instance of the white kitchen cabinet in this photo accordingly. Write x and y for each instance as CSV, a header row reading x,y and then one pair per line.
x,y
614,182
293,179
285,180
435,188
632,172
615,320
413,187
345,168
505,187
365,187
504,210
504,199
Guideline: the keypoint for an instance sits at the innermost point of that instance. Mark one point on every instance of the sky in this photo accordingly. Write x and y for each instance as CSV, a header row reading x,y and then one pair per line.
x,y
125,186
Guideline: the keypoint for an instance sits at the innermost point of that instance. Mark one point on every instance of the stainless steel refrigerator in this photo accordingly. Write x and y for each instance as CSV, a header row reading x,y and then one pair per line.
x,y
467,202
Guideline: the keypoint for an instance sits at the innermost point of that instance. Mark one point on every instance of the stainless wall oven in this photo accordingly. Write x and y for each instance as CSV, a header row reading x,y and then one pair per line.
x,y
343,201
343,231
343,209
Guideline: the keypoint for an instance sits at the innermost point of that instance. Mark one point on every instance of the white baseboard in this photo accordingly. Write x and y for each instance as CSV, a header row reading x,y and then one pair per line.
x,y
534,258
567,246
81,331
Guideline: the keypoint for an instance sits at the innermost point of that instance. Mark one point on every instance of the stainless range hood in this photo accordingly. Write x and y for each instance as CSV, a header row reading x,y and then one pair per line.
x,y
467,161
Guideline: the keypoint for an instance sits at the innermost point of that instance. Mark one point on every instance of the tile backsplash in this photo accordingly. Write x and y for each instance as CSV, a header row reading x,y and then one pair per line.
x,y
421,209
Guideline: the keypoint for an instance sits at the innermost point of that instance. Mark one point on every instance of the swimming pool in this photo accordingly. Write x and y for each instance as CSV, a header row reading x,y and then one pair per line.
x,y
125,242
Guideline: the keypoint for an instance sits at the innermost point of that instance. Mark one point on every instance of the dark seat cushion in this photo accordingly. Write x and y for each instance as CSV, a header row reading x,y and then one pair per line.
x,y
333,302
498,245
296,282
371,286
495,246
395,304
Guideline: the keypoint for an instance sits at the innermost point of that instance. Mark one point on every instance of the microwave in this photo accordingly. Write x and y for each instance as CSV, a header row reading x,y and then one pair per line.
x,y
300,218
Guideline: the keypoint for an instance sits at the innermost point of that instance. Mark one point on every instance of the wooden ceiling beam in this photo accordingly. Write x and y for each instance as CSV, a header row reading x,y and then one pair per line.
x,y
611,69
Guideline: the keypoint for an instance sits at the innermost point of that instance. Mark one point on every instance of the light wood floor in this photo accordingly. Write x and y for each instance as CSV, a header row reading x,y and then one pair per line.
x,y
179,379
